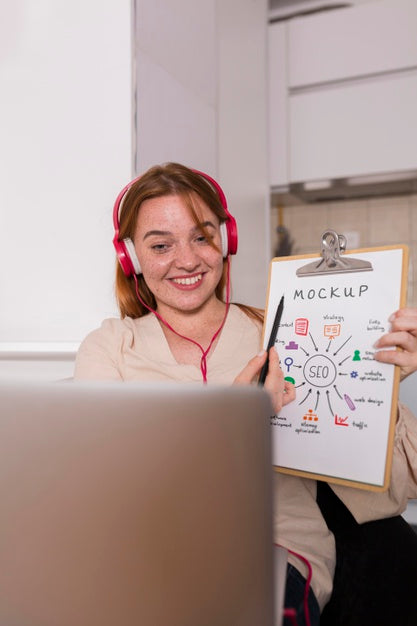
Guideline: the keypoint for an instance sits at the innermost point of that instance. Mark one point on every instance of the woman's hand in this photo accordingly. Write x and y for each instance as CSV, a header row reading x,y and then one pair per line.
x,y
281,391
403,334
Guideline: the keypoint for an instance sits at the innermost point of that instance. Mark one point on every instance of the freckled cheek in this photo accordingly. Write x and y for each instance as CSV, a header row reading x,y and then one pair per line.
x,y
219,264
154,269
213,258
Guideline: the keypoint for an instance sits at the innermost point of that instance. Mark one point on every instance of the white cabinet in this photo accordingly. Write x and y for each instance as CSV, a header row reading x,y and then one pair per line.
x,y
345,91
375,37
354,129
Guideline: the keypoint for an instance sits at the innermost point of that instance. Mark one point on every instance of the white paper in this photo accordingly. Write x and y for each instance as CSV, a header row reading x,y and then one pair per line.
x,y
339,423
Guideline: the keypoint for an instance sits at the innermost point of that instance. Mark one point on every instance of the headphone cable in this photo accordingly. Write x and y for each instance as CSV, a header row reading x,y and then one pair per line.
x,y
203,360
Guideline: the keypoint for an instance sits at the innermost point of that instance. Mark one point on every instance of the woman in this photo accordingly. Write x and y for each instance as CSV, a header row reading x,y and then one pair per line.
x,y
174,237
174,262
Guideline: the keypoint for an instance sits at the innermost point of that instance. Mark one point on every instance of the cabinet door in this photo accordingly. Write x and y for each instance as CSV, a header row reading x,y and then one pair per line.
x,y
354,41
348,130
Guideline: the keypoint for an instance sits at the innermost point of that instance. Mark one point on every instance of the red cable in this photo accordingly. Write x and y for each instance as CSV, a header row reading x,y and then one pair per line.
x,y
292,615
203,361
307,585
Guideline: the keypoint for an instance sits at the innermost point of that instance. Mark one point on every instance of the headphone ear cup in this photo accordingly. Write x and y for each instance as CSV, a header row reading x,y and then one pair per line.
x,y
231,227
127,257
130,248
228,236
224,239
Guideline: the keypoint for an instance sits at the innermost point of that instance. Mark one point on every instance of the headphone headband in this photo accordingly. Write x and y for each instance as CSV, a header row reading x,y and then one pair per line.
x,y
125,248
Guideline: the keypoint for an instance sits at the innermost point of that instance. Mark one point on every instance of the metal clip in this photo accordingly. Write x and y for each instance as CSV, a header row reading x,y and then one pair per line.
x,y
332,245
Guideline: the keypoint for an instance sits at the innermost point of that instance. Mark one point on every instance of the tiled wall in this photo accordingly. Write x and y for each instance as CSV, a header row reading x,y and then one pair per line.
x,y
365,223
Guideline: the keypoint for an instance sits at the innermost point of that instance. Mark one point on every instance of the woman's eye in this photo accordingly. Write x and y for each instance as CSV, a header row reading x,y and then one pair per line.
x,y
204,238
160,247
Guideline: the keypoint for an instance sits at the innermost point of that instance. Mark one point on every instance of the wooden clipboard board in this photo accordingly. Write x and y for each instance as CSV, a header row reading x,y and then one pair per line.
x,y
341,426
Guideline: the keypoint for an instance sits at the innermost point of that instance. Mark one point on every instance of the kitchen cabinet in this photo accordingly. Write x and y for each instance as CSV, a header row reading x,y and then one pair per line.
x,y
344,92
353,129
352,42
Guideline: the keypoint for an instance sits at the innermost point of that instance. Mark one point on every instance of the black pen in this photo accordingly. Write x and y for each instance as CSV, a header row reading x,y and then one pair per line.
x,y
272,339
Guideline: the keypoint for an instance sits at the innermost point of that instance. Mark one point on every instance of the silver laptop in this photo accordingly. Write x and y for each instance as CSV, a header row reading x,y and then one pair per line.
x,y
132,505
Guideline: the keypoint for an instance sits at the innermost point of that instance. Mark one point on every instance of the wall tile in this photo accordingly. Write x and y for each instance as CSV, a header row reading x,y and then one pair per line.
x,y
351,218
273,229
389,220
413,217
306,224
412,276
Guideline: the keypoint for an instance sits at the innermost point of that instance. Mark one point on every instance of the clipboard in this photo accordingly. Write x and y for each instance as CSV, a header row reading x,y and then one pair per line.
x,y
340,428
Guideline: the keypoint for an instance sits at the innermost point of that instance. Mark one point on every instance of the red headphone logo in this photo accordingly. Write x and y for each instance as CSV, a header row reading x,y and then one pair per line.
x,y
125,249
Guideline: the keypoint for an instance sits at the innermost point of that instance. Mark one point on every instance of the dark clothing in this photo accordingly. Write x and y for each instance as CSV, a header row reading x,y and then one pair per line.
x,y
375,582
294,599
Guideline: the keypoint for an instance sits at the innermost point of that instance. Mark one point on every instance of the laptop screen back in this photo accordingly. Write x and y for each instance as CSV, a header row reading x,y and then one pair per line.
x,y
133,505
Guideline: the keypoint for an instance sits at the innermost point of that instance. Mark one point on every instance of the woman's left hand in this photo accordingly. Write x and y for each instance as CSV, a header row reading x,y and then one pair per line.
x,y
281,391
403,334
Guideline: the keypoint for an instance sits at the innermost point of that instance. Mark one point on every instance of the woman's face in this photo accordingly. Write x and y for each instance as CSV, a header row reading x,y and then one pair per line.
x,y
179,264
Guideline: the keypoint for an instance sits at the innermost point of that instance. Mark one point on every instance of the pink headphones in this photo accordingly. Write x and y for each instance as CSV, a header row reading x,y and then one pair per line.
x,y
125,249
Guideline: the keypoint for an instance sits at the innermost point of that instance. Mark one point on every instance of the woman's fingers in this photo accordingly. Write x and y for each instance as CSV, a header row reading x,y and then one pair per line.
x,y
289,393
403,335
281,391
252,370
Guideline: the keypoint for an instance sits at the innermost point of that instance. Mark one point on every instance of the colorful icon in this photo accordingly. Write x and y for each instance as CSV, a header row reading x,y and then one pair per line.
x,y
331,330
288,361
341,421
290,379
357,356
291,346
310,416
349,402
301,326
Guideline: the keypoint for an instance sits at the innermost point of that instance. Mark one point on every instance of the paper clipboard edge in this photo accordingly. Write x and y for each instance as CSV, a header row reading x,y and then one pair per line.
x,y
396,383
330,479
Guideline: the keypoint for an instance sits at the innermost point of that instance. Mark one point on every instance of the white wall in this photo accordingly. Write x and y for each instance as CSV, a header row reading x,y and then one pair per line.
x,y
242,145
65,151
176,80
201,100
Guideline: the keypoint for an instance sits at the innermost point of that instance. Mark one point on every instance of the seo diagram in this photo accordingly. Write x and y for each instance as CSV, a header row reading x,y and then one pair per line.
x,y
330,371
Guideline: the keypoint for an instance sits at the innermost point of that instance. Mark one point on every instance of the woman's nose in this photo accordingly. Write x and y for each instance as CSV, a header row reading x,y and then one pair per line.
x,y
187,257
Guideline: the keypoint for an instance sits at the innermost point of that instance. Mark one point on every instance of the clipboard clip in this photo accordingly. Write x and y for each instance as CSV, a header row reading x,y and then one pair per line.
x,y
332,245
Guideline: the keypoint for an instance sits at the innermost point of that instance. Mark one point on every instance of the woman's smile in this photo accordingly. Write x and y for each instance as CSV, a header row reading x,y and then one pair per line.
x,y
188,281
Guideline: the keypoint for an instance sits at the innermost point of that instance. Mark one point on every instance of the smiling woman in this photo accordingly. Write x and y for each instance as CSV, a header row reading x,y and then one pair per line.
x,y
174,236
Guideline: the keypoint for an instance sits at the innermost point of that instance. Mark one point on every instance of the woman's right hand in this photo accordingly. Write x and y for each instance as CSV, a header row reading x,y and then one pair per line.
x,y
281,391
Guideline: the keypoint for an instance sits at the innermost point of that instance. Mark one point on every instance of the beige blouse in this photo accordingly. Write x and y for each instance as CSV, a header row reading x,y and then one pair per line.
x,y
136,349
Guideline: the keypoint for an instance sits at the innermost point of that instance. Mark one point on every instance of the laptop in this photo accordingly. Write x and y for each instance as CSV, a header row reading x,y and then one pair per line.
x,y
135,504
